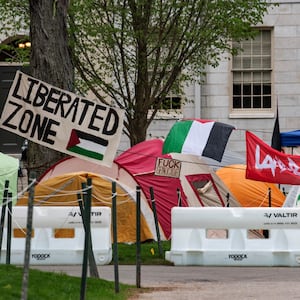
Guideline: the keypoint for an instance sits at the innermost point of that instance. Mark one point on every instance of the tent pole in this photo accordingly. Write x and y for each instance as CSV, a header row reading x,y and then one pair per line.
x,y
25,277
87,221
138,237
3,211
179,197
115,235
156,222
92,262
228,197
9,228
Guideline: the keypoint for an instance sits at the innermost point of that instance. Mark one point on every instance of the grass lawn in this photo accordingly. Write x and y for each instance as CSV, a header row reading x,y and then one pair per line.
x,y
149,253
54,286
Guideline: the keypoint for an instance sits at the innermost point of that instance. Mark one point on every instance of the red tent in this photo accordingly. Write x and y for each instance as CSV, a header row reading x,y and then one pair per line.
x,y
196,184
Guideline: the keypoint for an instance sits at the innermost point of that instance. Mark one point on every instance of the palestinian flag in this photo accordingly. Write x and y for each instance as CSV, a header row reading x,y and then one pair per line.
x,y
198,137
87,145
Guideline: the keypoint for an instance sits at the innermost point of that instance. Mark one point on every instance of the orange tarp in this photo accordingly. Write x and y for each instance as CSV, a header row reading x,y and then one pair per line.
x,y
250,193
62,190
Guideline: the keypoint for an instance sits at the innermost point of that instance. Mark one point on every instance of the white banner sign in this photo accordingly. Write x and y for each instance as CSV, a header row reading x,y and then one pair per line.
x,y
61,120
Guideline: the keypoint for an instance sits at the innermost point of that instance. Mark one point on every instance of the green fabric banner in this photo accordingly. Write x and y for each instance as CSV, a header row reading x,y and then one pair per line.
x,y
8,171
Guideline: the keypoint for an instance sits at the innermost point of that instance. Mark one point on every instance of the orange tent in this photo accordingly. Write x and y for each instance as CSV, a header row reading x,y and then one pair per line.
x,y
250,193
62,190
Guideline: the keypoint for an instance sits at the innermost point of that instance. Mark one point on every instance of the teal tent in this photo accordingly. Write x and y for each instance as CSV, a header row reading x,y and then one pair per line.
x,y
8,171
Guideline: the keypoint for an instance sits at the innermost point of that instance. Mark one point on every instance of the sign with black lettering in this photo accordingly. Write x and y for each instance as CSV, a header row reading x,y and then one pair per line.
x,y
61,120
168,167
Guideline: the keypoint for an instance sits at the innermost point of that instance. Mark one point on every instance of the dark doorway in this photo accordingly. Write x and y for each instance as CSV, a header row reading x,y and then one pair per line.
x,y
9,143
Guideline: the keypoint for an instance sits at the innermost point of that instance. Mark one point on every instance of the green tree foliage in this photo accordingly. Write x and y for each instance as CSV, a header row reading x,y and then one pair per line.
x,y
14,17
14,20
45,23
133,53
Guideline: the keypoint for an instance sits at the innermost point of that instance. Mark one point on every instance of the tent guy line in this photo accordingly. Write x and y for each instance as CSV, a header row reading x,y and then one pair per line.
x,y
15,198
198,184
184,161
75,192
73,209
109,199
82,191
76,201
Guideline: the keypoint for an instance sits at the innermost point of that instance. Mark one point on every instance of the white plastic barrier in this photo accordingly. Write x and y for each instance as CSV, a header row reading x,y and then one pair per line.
x,y
47,248
232,244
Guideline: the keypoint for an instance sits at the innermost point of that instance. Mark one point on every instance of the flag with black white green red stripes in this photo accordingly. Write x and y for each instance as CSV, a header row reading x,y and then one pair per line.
x,y
199,137
87,144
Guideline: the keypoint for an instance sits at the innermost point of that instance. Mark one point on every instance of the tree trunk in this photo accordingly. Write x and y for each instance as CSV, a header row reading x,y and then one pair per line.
x,y
138,128
51,62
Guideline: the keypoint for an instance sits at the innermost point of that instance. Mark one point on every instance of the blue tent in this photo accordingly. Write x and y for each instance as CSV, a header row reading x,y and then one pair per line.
x,y
290,138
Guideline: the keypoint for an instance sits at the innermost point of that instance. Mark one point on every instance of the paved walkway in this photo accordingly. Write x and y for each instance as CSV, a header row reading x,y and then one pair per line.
x,y
203,283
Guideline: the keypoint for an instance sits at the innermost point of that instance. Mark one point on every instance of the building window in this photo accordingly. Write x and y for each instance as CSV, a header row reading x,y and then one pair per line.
x,y
169,108
251,71
171,102
15,49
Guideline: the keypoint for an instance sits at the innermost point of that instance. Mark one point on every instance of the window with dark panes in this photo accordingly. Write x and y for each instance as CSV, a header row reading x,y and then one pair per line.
x,y
172,101
251,67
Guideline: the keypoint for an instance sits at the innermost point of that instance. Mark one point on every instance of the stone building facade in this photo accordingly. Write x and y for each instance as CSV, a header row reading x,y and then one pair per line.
x,y
214,98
